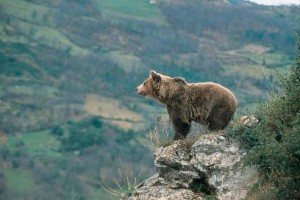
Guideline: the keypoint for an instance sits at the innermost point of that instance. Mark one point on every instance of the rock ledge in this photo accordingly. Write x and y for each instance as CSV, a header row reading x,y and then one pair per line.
x,y
212,165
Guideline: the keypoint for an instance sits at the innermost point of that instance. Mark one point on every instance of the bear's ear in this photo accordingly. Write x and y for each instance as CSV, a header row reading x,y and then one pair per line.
x,y
155,76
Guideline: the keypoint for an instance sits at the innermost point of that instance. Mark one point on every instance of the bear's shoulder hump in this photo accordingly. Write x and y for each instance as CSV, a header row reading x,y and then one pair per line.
x,y
180,80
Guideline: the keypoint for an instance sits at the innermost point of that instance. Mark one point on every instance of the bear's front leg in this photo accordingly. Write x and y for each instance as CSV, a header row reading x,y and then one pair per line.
x,y
181,128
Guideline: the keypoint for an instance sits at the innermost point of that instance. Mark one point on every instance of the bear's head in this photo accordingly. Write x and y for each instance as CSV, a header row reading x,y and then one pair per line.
x,y
158,86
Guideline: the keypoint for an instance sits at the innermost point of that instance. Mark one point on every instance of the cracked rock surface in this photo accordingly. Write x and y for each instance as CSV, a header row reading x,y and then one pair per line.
x,y
212,165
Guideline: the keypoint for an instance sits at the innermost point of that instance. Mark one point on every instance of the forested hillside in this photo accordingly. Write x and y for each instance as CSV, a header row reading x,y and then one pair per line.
x,y
69,115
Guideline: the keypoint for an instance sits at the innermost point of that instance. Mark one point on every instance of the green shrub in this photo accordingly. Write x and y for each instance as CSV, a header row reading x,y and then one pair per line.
x,y
57,130
244,135
125,137
274,144
82,134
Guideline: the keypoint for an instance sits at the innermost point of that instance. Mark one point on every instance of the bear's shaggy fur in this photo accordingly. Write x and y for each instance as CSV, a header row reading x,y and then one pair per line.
x,y
207,103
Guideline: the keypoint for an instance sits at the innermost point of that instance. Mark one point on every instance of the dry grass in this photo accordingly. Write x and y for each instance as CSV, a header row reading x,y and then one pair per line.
x,y
125,183
263,190
159,136
155,138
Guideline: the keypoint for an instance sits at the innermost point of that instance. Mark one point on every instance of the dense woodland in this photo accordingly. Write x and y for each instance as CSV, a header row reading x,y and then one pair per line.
x,y
69,116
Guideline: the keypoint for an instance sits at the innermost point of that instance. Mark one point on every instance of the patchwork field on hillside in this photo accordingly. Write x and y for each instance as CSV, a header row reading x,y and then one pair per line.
x,y
131,9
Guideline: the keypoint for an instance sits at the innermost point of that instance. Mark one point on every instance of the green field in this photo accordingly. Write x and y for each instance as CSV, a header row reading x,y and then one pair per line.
x,y
29,12
37,24
44,35
137,9
42,91
1,91
19,182
40,143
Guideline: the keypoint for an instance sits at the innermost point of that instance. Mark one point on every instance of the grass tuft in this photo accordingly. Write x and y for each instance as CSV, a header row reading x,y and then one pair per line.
x,y
125,183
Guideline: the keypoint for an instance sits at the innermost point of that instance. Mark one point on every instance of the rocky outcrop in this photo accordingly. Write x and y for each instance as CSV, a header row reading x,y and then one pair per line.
x,y
190,170
158,188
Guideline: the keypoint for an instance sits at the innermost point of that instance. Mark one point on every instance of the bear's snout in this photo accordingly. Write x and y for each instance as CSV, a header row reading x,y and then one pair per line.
x,y
139,91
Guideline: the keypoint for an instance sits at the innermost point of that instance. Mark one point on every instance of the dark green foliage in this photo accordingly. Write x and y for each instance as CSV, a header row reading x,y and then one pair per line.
x,y
57,130
123,138
96,122
274,143
10,66
244,135
85,133
2,184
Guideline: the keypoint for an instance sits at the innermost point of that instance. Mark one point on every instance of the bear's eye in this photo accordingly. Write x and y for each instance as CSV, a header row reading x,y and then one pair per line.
x,y
144,83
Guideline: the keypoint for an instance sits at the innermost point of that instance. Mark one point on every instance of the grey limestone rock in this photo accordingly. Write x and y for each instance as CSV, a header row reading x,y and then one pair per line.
x,y
221,162
212,161
157,188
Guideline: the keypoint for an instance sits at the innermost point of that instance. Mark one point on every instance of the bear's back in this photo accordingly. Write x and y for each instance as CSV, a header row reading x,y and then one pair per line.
x,y
215,103
211,90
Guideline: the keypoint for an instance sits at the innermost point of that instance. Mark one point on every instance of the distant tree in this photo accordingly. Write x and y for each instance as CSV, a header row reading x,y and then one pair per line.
x,y
96,122
2,184
125,137
57,130
85,133
33,15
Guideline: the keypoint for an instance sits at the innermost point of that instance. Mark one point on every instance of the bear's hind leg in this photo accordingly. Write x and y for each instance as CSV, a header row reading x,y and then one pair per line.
x,y
219,119
181,129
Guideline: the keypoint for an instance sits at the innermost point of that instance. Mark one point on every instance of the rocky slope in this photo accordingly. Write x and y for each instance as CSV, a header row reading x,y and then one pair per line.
x,y
188,170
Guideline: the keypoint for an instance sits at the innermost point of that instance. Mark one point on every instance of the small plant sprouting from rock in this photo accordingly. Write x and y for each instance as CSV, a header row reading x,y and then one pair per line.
x,y
154,139
159,136
124,185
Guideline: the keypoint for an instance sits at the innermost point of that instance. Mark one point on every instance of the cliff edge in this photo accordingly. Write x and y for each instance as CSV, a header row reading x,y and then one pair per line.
x,y
212,166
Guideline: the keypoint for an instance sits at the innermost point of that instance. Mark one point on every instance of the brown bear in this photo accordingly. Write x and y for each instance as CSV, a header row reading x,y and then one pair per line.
x,y
207,103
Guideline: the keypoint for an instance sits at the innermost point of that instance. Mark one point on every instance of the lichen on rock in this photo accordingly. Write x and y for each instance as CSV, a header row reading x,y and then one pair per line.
x,y
157,188
221,163
211,166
